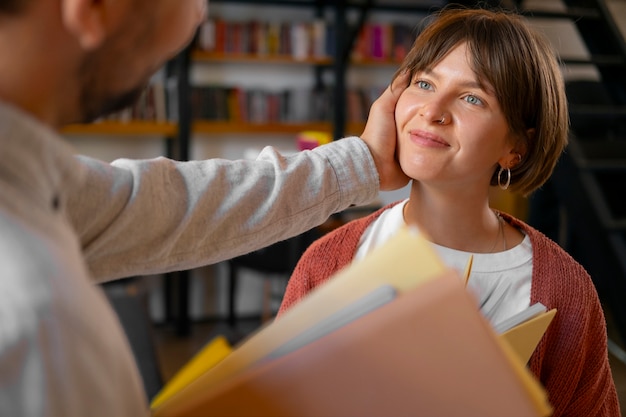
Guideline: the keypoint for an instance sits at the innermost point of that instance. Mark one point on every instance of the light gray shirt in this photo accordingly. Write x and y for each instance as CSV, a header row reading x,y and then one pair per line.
x,y
67,223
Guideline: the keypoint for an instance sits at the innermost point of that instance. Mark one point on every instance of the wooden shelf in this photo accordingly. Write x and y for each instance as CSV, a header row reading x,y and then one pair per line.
x,y
203,56
256,128
207,127
135,128
370,62
200,127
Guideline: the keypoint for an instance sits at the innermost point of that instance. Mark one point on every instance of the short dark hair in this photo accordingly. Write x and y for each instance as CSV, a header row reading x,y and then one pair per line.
x,y
521,66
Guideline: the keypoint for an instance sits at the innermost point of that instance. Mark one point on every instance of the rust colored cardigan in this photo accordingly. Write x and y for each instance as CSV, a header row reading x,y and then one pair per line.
x,y
571,360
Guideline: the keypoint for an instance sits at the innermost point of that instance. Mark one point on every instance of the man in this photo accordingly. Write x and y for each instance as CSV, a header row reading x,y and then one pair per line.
x,y
67,223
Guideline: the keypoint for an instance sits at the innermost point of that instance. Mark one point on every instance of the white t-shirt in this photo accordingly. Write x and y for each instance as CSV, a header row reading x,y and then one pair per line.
x,y
501,281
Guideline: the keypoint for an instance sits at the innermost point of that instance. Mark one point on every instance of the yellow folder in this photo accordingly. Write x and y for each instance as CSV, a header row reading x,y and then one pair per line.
x,y
209,356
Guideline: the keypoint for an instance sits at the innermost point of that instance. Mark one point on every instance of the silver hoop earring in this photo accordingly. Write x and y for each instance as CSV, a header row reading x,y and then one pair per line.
x,y
508,178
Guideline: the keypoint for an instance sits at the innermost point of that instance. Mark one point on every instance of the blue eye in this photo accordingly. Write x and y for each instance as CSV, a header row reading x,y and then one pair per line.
x,y
423,85
473,100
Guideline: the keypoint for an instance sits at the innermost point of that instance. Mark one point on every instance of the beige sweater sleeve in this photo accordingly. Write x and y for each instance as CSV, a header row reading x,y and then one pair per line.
x,y
138,217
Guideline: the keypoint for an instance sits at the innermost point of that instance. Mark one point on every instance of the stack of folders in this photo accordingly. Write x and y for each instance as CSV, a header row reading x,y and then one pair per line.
x,y
394,334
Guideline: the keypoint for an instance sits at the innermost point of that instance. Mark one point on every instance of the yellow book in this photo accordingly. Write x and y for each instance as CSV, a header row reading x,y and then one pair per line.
x,y
524,337
523,331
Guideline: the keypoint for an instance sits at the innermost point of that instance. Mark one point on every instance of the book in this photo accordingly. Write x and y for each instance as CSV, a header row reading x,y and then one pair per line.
x,y
522,331
395,333
516,319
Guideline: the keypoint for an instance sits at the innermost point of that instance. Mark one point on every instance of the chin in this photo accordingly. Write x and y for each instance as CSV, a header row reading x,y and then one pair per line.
x,y
94,109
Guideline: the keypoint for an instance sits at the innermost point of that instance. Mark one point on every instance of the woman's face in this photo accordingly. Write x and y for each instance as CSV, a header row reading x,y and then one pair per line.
x,y
451,130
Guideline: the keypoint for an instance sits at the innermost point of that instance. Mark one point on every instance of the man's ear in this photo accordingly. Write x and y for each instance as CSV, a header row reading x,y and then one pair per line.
x,y
86,20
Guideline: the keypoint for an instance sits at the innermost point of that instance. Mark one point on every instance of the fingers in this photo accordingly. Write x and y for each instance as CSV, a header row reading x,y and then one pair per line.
x,y
380,135
401,82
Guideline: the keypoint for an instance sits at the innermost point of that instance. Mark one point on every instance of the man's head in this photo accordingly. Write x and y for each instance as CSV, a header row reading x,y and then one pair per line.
x,y
96,55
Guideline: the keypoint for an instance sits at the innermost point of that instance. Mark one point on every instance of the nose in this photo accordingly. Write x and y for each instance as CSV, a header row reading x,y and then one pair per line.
x,y
435,113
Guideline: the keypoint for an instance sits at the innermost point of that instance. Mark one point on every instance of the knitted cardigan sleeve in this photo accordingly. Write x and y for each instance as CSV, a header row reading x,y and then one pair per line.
x,y
571,361
326,256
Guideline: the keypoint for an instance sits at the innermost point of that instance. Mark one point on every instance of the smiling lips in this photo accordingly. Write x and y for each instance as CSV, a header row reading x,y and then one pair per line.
x,y
423,138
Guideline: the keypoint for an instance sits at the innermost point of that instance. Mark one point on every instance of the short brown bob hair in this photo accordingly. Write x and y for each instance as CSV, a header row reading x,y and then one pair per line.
x,y
520,65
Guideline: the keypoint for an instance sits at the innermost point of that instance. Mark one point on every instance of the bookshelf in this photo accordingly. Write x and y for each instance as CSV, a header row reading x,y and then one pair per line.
x,y
198,55
148,116
328,39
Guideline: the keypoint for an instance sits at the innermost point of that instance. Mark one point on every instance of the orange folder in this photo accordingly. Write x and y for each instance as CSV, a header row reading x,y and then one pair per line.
x,y
429,353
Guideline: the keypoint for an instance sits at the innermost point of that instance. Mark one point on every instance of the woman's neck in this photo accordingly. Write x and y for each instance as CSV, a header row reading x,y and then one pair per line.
x,y
461,223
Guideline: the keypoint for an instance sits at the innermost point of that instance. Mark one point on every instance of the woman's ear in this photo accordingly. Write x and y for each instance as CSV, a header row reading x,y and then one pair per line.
x,y
522,146
517,154
86,20
515,160
514,157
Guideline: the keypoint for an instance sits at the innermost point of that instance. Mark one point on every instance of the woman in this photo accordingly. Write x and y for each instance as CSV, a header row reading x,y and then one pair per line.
x,y
486,107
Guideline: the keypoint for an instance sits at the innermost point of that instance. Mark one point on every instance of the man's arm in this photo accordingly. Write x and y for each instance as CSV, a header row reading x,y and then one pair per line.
x,y
136,217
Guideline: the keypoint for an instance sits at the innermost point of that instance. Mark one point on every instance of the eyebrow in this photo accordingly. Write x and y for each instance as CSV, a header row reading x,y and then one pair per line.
x,y
467,84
